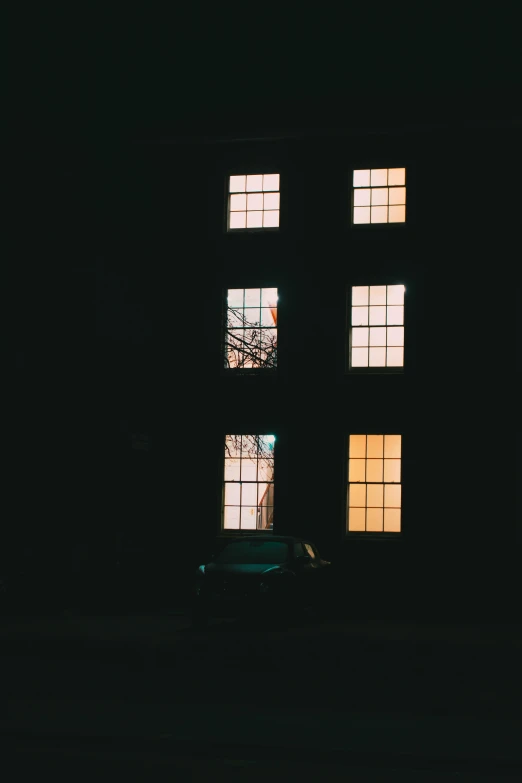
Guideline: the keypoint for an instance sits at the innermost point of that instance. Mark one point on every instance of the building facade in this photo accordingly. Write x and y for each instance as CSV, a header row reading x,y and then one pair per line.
x,y
314,334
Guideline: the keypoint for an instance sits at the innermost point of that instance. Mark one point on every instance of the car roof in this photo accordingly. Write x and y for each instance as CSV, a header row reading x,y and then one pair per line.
x,y
282,539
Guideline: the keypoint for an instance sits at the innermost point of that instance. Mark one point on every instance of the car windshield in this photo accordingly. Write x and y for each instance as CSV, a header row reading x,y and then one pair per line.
x,y
254,552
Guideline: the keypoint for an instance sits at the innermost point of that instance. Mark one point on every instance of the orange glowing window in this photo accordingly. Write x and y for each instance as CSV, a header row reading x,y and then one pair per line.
x,y
376,336
253,201
374,484
251,329
379,196
248,490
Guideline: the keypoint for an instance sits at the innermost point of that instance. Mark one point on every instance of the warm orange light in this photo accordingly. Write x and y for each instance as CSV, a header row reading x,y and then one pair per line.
x,y
374,488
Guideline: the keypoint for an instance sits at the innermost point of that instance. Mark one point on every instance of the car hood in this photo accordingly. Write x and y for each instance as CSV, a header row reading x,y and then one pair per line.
x,y
240,569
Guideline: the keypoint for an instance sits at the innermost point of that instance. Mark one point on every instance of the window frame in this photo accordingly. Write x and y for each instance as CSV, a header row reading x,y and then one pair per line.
x,y
230,372
254,170
236,532
372,535
372,280
363,227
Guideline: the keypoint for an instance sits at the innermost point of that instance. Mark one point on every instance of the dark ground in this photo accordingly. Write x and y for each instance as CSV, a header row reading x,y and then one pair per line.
x,y
147,697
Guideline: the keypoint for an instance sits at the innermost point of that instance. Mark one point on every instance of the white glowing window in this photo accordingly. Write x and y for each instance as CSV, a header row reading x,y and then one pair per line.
x,y
251,329
253,201
374,484
379,196
377,326
248,492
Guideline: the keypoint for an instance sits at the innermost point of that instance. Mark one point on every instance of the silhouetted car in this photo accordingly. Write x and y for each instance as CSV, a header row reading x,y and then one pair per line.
x,y
270,576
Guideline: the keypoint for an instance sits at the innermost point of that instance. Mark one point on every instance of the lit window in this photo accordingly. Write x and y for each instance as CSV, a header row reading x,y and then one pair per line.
x,y
374,484
251,328
248,497
379,196
377,326
253,201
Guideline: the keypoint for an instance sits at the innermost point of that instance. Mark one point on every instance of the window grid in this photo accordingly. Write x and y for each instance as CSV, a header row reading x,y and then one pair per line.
x,y
248,497
377,326
379,196
374,484
254,201
251,328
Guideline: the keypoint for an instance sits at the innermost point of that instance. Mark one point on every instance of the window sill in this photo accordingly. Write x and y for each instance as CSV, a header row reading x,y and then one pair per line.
x,y
374,371
373,536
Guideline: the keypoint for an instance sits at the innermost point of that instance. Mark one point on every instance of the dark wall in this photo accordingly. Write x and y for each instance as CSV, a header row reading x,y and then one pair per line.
x,y
120,333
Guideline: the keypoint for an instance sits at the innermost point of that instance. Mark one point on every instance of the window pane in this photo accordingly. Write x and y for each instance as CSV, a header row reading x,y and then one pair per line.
x,y
378,295
395,294
392,496
268,316
377,357
252,316
271,219
378,316
271,201
392,520
392,470
254,182
360,295
237,184
232,469
377,333
237,220
395,315
232,494
358,446
379,177
269,297
248,470
255,201
379,196
359,357
248,517
249,495
396,176
361,198
375,446
237,202
397,195
265,470
374,519
359,316
271,182
233,445
379,214
356,519
356,471
374,470
263,492
231,518
396,335
395,357
235,297
252,297
254,219
357,495
359,336
361,214
361,178
397,214
392,446
234,320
